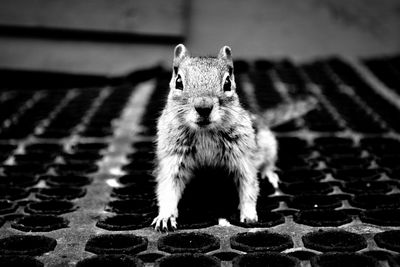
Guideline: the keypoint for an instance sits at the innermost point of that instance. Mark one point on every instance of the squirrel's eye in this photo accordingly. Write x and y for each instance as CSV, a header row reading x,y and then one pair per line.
x,y
227,84
178,83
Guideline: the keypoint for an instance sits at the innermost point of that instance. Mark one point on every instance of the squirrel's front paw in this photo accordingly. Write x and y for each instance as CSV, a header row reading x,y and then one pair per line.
x,y
248,215
164,223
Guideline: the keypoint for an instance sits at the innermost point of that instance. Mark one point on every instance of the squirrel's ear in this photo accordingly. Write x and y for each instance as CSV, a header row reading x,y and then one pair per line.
x,y
225,53
180,53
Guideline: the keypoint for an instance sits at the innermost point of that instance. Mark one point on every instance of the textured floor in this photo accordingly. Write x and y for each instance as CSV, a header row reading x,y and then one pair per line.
x,y
75,177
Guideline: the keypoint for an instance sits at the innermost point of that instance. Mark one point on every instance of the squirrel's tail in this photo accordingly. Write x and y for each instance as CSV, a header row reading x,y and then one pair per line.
x,y
288,111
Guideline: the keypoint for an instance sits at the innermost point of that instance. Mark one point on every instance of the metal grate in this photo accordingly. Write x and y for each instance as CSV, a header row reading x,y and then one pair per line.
x,y
75,177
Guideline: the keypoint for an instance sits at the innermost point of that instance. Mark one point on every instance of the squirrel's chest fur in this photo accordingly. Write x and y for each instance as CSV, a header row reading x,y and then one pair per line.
x,y
216,146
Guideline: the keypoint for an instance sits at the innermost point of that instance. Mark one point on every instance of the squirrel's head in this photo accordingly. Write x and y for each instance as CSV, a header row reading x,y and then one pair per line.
x,y
203,89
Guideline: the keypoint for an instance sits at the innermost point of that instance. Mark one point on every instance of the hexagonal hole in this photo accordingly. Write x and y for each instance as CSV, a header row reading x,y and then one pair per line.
x,y
7,207
305,188
13,193
110,260
138,177
84,156
358,174
390,162
25,169
123,222
379,255
19,180
67,180
26,245
260,259
261,241
116,244
334,241
34,157
89,146
55,193
7,148
340,150
40,223
43,148
389,240
362,187
188,242
373,201
306,202
26,261
75,168
385,217
342,162
50,207
302,175
322,218
380,143
343,259
188,259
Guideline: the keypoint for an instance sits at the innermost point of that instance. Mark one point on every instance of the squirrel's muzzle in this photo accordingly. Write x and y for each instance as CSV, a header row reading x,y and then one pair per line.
x,y
204,106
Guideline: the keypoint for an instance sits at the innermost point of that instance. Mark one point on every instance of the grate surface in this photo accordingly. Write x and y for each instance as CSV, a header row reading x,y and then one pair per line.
x,y
76,188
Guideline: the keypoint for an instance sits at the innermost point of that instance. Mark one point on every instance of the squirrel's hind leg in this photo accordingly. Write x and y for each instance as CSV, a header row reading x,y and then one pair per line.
x,y
273,178
266,155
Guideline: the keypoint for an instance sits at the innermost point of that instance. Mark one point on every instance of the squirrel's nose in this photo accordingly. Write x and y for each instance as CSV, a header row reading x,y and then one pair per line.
x,y
204,111
203,106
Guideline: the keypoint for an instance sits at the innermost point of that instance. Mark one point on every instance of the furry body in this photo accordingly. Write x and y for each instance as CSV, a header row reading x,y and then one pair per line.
x,y
203,124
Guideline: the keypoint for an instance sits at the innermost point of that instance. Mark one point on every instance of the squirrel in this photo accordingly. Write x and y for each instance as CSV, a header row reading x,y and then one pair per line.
x,y
204,124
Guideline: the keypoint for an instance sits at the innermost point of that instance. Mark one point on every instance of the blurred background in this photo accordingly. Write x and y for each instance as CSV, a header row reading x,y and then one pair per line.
x,y
115,37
